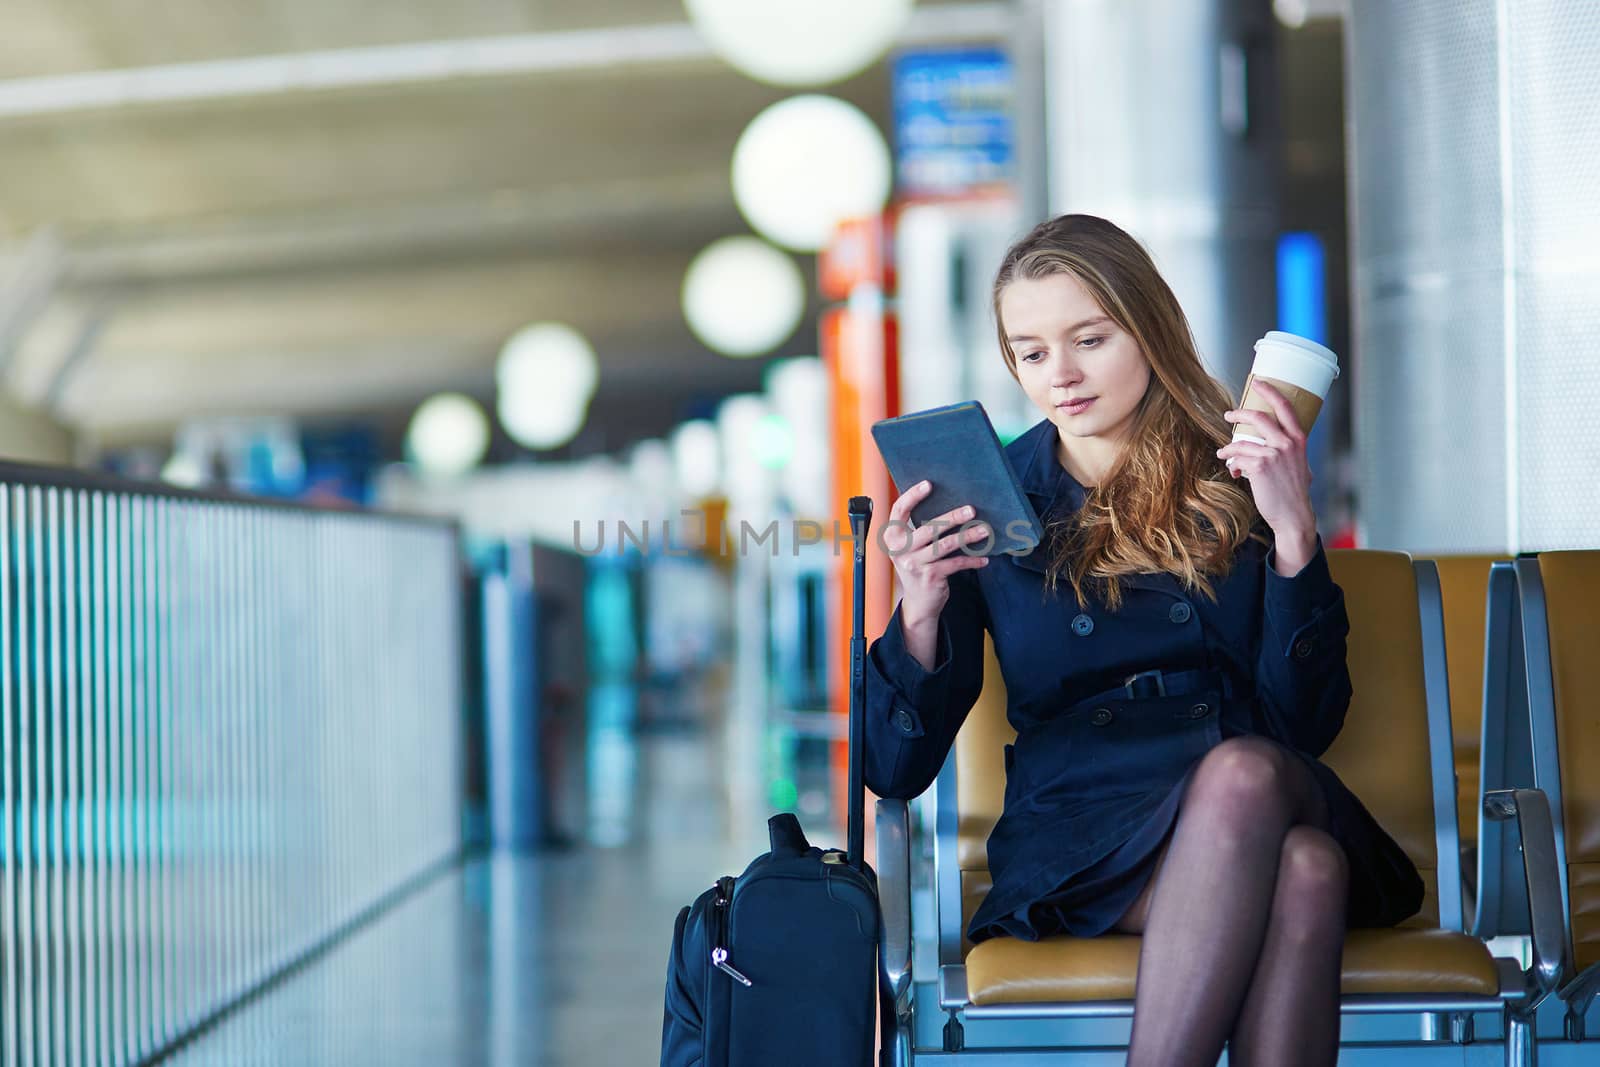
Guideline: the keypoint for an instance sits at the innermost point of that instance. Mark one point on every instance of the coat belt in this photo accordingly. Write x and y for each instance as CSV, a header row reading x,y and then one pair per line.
x,y
1151,685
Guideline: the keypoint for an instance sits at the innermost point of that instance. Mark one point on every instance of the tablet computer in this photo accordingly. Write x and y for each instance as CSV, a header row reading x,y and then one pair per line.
x,y
955,448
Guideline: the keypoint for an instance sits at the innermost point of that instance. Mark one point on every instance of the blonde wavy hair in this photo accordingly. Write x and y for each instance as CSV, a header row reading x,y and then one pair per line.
x,y
1168,503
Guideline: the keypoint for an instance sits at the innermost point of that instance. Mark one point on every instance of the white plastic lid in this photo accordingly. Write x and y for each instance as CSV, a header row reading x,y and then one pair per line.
x,y
1304,344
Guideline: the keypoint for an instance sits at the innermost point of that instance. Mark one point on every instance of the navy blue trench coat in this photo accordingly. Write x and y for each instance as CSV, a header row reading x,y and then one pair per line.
x,y
1094,779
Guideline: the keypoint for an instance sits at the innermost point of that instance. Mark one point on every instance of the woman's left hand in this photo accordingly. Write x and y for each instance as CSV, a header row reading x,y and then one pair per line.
x,y
1279,475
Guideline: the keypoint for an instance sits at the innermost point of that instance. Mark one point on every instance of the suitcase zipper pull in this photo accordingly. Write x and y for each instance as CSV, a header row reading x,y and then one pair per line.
x,y
719,956
722,901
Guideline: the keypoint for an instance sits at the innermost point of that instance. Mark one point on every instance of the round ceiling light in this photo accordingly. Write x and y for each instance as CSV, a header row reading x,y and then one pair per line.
x,y
448,436
545,378
696,455
805,164
783,42
742,297
799,390
541,420
549,356
651,463
738,422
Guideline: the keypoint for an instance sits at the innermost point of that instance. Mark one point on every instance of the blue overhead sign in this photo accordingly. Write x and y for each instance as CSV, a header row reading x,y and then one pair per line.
x,y
952,119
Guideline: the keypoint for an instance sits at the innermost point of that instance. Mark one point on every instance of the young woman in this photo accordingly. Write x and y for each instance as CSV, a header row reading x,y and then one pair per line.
x,y
1174,662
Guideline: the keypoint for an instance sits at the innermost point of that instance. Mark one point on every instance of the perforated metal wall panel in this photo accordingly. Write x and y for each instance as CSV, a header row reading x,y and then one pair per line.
x,y
1475,147
1427,263
1553,87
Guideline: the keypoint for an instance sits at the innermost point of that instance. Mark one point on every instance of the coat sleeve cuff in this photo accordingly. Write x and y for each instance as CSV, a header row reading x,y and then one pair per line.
x,y
915,686
1296,606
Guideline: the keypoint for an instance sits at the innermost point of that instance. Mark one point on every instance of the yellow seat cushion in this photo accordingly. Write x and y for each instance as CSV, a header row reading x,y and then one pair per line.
x,y
1417,961
1005,970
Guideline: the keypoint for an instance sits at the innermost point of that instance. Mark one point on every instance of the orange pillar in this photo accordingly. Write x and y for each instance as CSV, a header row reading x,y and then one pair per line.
x,y
858,345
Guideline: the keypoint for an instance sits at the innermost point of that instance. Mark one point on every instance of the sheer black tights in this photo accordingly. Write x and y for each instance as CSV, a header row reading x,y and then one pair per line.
x,y
1243,920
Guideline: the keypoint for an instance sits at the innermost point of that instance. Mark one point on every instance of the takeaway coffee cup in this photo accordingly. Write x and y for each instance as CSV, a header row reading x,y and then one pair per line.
x,y
1300,369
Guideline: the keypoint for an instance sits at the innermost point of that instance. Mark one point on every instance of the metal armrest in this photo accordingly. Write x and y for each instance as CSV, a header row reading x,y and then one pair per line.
x,y
1578,994
1441,744
894,893
1505,761
1531,810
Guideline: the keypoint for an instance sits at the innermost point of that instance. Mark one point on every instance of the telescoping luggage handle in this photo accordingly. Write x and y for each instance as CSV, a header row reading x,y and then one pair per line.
x,y
860,522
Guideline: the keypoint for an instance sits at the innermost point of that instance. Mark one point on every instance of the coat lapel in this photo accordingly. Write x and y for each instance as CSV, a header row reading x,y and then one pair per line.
x,y
1049,488
1054,494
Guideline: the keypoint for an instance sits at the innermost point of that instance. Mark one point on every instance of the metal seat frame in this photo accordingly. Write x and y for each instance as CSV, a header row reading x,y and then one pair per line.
x,y
1520,692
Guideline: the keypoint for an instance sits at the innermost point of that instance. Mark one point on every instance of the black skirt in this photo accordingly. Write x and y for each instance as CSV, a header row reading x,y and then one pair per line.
x,y
1384,889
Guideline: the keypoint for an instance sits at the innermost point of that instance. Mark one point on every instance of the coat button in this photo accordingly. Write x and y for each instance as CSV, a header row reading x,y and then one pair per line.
x,y
1083,626
1303,648
1180,612
1101,716
1199,711
904,720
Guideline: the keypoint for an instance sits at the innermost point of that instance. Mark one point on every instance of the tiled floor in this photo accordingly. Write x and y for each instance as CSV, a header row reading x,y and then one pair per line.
x,y
542,959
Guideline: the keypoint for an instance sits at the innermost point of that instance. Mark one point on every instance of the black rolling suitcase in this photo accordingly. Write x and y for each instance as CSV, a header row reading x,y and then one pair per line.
x,y
778,967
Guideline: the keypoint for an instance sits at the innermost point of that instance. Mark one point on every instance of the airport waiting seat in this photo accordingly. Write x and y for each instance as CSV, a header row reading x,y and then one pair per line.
x,y
1394,751
1559,691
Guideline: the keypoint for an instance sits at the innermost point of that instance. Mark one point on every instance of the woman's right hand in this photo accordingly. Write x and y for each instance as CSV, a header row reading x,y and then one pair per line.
x,y
925,558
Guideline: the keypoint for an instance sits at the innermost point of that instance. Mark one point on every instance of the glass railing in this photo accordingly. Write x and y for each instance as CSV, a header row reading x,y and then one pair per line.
x,y
229,729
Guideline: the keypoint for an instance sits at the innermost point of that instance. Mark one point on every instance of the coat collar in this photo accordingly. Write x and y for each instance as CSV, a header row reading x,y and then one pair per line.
x,y
1049,488
1041,475
1054,494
